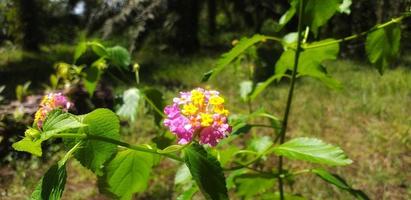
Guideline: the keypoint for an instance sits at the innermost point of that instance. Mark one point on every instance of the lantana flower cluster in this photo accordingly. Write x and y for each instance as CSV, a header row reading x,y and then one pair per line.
x,y
48,103
198,113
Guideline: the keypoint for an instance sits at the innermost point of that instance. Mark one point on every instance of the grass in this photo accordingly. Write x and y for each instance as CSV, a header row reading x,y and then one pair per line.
x,y
370,118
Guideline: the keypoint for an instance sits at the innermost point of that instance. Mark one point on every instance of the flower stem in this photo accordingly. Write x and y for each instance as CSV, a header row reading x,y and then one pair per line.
x,y
289,99
117,142
358,35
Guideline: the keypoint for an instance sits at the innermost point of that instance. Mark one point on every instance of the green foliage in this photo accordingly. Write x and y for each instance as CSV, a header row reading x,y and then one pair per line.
x,y
92,77
131,102
80,49
101,122
261,144
249,185
206,171
340,183
2,87
51,186
310,61
262,86
156,103
312,150
383,46
22,91
228,57
127,173
316,12
119,56
55,123
58,121
246,87
28,145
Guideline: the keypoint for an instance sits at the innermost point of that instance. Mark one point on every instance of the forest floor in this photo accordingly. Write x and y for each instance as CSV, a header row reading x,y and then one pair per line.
x,y
370,118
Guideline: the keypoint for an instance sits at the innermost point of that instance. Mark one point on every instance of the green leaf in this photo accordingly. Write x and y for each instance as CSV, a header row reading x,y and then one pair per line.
x,y
127,174
261,144
98,48
251,184
51,186
383,45
339,182
92,77
156,98
310,61
318,12
276,196
188,194
313,150
131,100
28,145
119,56
345,7
80,49
262,86
58,121
171,149
287,16
228,57
101,122
206,171
246,87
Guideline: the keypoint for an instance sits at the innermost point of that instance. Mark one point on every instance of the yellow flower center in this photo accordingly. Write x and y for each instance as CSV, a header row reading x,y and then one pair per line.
x,y
206,119
189,109
216,100
197,97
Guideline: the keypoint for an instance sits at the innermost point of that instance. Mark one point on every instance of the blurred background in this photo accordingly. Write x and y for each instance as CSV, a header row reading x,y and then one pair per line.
x,y
173,42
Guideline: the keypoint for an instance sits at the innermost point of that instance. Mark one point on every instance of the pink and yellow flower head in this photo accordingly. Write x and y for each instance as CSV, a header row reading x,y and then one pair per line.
x,y
199,113
48,103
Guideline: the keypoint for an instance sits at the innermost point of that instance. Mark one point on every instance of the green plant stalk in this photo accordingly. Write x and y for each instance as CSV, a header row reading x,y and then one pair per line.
x,y
117,142
69,154
154,106
289,99
358,35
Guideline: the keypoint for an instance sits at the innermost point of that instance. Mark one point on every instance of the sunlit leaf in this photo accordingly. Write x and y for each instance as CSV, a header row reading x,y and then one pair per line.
x,y
98,48
228,57
252,184
312,150
383,45
310,61
345,7
92,77
94,153
246,87
206,171
318,12
28,145
80,49
129,108
127,173
119,56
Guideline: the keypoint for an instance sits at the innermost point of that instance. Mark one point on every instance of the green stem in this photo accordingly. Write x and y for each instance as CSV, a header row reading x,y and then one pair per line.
x,y
358,35
289,99
153,106
69,153
117,142
133,147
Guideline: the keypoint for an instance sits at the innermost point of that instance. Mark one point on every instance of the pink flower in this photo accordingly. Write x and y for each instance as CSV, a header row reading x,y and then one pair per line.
x,y
48,103
198,114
